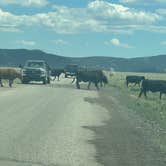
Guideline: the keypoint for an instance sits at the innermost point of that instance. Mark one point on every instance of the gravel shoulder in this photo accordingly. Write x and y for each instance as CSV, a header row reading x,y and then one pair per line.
x,y
124,140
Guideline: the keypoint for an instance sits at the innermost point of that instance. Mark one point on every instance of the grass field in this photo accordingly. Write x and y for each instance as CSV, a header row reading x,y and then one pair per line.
x,y
152,110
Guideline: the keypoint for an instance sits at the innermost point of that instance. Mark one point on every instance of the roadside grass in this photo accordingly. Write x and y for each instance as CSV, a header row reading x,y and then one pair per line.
x,y
152,110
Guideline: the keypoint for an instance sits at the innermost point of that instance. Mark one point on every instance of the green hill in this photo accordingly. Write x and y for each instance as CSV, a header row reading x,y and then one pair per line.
x,y
14,57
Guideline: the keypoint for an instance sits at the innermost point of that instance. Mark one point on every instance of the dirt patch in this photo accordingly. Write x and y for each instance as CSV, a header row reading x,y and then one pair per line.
x,y
124,140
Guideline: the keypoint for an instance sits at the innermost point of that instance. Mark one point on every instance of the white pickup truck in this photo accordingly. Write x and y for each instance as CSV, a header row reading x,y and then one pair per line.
x,y
36,70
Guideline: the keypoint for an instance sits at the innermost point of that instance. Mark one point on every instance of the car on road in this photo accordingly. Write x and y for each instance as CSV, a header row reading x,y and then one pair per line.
x,y
36,70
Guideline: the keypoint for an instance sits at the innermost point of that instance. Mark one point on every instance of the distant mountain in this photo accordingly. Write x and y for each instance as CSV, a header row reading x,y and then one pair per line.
x,y
14,57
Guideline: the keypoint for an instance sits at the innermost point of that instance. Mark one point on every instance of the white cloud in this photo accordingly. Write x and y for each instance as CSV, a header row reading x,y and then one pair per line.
x,y
143,1
128,1
121,14
26,3
161,11
163,43
116,42
60,42
28,43
160,1
9,21
8,28
98,16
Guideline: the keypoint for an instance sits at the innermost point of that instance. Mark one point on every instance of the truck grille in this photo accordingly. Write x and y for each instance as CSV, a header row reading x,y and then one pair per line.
x,y
33,72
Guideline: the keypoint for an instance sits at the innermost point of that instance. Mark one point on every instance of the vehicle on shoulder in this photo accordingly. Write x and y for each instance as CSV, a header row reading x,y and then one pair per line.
x,y
36,70
71,70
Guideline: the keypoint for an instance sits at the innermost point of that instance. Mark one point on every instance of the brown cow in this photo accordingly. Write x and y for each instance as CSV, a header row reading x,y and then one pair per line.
x,y
9,74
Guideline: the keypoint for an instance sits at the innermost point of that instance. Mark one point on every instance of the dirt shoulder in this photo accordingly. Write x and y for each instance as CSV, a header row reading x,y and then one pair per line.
x,y
124,140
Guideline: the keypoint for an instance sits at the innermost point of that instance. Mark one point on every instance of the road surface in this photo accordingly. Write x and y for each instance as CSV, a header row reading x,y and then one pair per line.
x,y
58,125
44,125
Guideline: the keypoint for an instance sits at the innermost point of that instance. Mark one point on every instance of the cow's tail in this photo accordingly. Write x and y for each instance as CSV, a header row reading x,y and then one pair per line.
x,y
73,80
127,83
141,84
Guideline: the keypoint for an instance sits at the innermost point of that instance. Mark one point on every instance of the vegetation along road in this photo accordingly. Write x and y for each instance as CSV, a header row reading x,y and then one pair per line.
x,y
58,125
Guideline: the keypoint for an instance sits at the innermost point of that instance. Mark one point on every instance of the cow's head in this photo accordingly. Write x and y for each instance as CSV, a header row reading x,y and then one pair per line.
x,y
143,77
105,80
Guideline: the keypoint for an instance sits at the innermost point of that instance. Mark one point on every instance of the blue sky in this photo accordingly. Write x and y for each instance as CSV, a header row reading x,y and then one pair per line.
x,y
80,28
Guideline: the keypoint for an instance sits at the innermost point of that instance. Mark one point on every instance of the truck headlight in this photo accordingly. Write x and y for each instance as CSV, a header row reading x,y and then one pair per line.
x,y
42,73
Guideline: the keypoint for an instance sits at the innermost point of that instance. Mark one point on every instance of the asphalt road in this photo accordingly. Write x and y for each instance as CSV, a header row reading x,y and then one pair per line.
x,y
44,125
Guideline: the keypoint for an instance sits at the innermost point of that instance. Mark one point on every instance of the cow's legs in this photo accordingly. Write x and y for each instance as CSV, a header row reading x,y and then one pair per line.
x,y
145,94
139,84
160,95
54,78
140,94
127,83
1,82
10,83
142,91
96,85
77,84
58,77
89,84
73,80
101,84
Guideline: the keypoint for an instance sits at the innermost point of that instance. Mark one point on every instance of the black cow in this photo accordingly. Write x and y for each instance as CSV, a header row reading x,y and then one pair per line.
x,y
153,86
134,79
56,73
103,79
95,77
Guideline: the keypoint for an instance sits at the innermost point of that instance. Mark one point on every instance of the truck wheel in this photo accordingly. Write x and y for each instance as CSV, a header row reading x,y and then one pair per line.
x,y
44,81
48,80
25,81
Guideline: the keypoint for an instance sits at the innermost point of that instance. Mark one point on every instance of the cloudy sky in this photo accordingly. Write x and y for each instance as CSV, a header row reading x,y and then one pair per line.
x,y
119,28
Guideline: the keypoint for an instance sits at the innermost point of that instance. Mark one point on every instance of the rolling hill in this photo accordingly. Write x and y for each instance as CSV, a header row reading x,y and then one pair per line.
x,y
14,57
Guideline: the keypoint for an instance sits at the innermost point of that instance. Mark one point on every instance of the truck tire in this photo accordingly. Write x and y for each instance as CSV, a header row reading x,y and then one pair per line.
x,y
44,81
25,81
48,80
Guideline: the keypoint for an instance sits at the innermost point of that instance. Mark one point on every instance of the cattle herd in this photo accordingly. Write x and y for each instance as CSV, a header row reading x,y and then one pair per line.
x,y
84,75
93,76
147,85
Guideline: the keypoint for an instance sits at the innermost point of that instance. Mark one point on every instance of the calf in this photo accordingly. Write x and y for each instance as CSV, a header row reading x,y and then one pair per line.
x,y
9,74
134,79
153,86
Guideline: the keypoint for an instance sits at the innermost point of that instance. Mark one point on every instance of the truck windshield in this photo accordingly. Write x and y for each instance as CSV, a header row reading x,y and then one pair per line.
x,y
35,64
